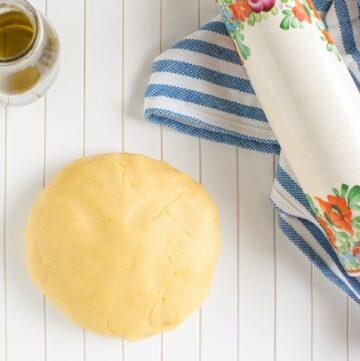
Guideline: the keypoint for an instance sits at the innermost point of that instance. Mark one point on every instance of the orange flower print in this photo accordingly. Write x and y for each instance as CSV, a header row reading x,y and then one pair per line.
x,y
241,9
339,216
328,37
313,8
356,250
330,234
338,212
300,12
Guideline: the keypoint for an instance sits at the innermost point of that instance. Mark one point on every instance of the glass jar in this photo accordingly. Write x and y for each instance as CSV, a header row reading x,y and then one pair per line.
x,y
29,53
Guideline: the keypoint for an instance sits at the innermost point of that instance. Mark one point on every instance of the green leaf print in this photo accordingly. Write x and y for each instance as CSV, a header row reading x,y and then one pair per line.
x,y
342,236
312,204
344,190
291,14
243,49
354,198
307,9
285,24
294,23
258,17
274,10
328,220
320,25
251,19
338,56
355,222
339,216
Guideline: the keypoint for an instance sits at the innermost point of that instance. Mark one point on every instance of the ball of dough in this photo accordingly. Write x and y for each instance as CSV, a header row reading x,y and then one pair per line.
x,y
123,244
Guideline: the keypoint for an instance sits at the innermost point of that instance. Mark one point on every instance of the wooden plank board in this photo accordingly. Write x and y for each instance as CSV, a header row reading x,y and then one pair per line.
x,y
256,261
65,143
293,302
219,316
141,45
353,331
208,11
103,76
179,19
330,326
2,234
107,54
103,114
183,343
24,179
142,42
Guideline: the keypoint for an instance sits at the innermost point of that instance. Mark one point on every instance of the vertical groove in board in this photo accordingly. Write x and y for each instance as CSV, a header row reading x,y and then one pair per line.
x,y
122,78
65,143
219,329
102,114
312,312
293,302
84,80
103,76
275,270
140,136
84,126
122,109
65,98
24,179
182,344
25,322
161,150
330,320
238,254
347,328
179,19
354,331
141,45
200,181
44,184
208,11
2,234
256,279
200,310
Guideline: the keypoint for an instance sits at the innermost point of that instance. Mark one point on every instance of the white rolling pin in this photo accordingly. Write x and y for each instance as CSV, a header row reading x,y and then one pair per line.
x,y
312,105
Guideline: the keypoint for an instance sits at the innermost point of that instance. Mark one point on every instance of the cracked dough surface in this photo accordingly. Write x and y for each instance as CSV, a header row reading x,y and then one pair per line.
x,y
123,244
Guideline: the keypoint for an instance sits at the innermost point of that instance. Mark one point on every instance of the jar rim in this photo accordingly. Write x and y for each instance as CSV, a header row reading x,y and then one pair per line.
x,y
29,11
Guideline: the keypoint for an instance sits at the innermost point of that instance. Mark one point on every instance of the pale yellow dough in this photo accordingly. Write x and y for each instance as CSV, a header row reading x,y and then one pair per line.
x,y
123,244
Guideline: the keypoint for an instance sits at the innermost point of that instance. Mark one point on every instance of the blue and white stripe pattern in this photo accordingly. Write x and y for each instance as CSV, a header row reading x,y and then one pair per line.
x,y
199,88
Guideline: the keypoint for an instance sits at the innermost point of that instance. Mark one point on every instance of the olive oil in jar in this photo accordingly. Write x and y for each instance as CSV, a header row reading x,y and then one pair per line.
x,y
29,53
16,35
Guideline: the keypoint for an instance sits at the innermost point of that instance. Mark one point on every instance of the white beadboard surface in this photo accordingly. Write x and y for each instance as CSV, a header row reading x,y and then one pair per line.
x,y
267,302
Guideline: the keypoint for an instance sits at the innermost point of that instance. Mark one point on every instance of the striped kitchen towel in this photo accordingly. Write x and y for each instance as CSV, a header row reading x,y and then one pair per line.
x,y
199,87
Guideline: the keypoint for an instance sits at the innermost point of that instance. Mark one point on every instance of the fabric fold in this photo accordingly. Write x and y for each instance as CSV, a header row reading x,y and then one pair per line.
x,y
199,87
